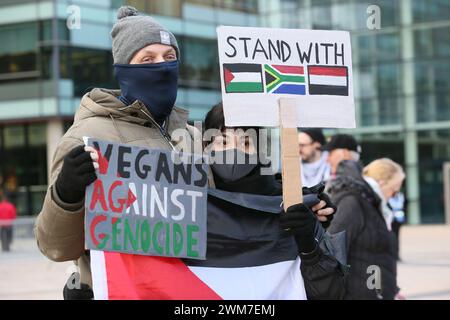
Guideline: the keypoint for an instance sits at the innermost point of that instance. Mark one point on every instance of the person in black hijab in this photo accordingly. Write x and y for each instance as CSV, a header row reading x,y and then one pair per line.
x,y
240,187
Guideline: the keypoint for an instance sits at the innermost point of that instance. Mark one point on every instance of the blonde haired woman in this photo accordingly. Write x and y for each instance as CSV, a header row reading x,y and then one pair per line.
x,y
364,215
386,178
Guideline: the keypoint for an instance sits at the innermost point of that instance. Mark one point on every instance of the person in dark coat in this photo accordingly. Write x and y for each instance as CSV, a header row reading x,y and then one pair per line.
x,y
370,246
323,273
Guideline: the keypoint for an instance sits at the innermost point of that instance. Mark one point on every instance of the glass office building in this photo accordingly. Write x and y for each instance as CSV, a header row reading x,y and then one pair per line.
x,y
54,51
401,83
401,73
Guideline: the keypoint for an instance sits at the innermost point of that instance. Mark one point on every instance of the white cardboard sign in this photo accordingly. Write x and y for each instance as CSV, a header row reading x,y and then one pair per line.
x,y
260,65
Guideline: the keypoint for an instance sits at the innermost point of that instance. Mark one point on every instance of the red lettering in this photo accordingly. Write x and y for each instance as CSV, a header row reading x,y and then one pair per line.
x,y
103,163
121,202
98,195
94,223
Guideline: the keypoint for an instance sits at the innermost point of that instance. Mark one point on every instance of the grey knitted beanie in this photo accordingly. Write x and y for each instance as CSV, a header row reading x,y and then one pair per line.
x,y
133,32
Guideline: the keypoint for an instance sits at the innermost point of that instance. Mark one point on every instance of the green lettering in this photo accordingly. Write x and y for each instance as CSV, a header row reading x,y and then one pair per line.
x,y
104,242
177,239
115,234
191,241
156,230
167,225
145,236
130,235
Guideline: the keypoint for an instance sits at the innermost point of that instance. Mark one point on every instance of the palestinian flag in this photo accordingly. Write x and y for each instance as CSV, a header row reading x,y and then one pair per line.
x,y
284,79
248,257
242,77
328,80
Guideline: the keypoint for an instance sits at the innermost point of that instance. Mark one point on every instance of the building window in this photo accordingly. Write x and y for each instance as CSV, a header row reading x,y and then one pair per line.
x,y
368,111
199,66
390,110
433,151
390,12
389,83
25,52
388,46
432,43
18,38
427,11
365,45
23,169
165,8
18,50
432,76
46,30
321,14
247,6
89,68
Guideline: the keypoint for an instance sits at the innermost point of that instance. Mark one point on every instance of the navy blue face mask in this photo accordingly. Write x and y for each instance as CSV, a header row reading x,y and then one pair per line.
x,y
153,84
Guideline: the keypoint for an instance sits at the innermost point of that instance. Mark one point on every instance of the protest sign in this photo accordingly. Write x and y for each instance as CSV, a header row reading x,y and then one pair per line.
x,y
260,65
147,201
288,78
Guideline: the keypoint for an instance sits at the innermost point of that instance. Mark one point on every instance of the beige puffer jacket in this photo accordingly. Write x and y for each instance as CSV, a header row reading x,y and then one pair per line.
x,y
59,227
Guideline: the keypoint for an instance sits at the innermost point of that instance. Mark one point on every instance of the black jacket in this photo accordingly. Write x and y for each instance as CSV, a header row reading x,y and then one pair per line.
x,y
369,242
324,271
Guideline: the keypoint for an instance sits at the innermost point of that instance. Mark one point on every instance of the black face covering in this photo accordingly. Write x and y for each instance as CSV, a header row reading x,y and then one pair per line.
x,y
154,84
233,164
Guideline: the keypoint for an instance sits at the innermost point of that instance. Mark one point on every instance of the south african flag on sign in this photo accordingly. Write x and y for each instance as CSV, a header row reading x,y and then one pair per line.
x,y
284,79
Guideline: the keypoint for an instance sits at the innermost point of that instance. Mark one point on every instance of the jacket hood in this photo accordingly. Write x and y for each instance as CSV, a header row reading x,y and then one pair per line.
x,y
349,179
105,103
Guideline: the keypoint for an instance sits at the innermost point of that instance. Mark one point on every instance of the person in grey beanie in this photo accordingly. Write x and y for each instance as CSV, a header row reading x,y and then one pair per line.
x,y
145,62
141,113
133,32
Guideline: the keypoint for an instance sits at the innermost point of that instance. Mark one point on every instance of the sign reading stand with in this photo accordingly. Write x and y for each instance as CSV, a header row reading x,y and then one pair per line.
x,y
258,66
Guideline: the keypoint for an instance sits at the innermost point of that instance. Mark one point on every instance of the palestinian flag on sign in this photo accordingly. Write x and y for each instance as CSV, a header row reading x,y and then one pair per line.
x,y
282,79
248,257
242,77
328,80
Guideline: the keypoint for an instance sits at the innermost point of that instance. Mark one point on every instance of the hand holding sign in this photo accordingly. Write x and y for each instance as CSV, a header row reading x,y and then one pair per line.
x,y
94,156
77,172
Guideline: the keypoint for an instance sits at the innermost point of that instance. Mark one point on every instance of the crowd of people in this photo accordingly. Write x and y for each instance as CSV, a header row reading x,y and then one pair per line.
x,y
367,199
354,202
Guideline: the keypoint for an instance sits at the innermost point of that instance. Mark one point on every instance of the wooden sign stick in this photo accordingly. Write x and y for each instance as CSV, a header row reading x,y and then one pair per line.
x,y
290,158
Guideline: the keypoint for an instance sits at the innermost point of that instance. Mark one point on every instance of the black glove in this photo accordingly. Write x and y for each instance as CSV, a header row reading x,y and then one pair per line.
x,y
76,174
300,221
325,197
319,190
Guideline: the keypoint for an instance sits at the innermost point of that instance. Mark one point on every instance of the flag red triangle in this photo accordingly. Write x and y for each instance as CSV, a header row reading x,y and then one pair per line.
x,y
143,277
228,76
131,198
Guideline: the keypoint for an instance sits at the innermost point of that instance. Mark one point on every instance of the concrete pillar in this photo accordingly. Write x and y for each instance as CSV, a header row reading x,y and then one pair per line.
x,y
446,175
410,141
55,131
